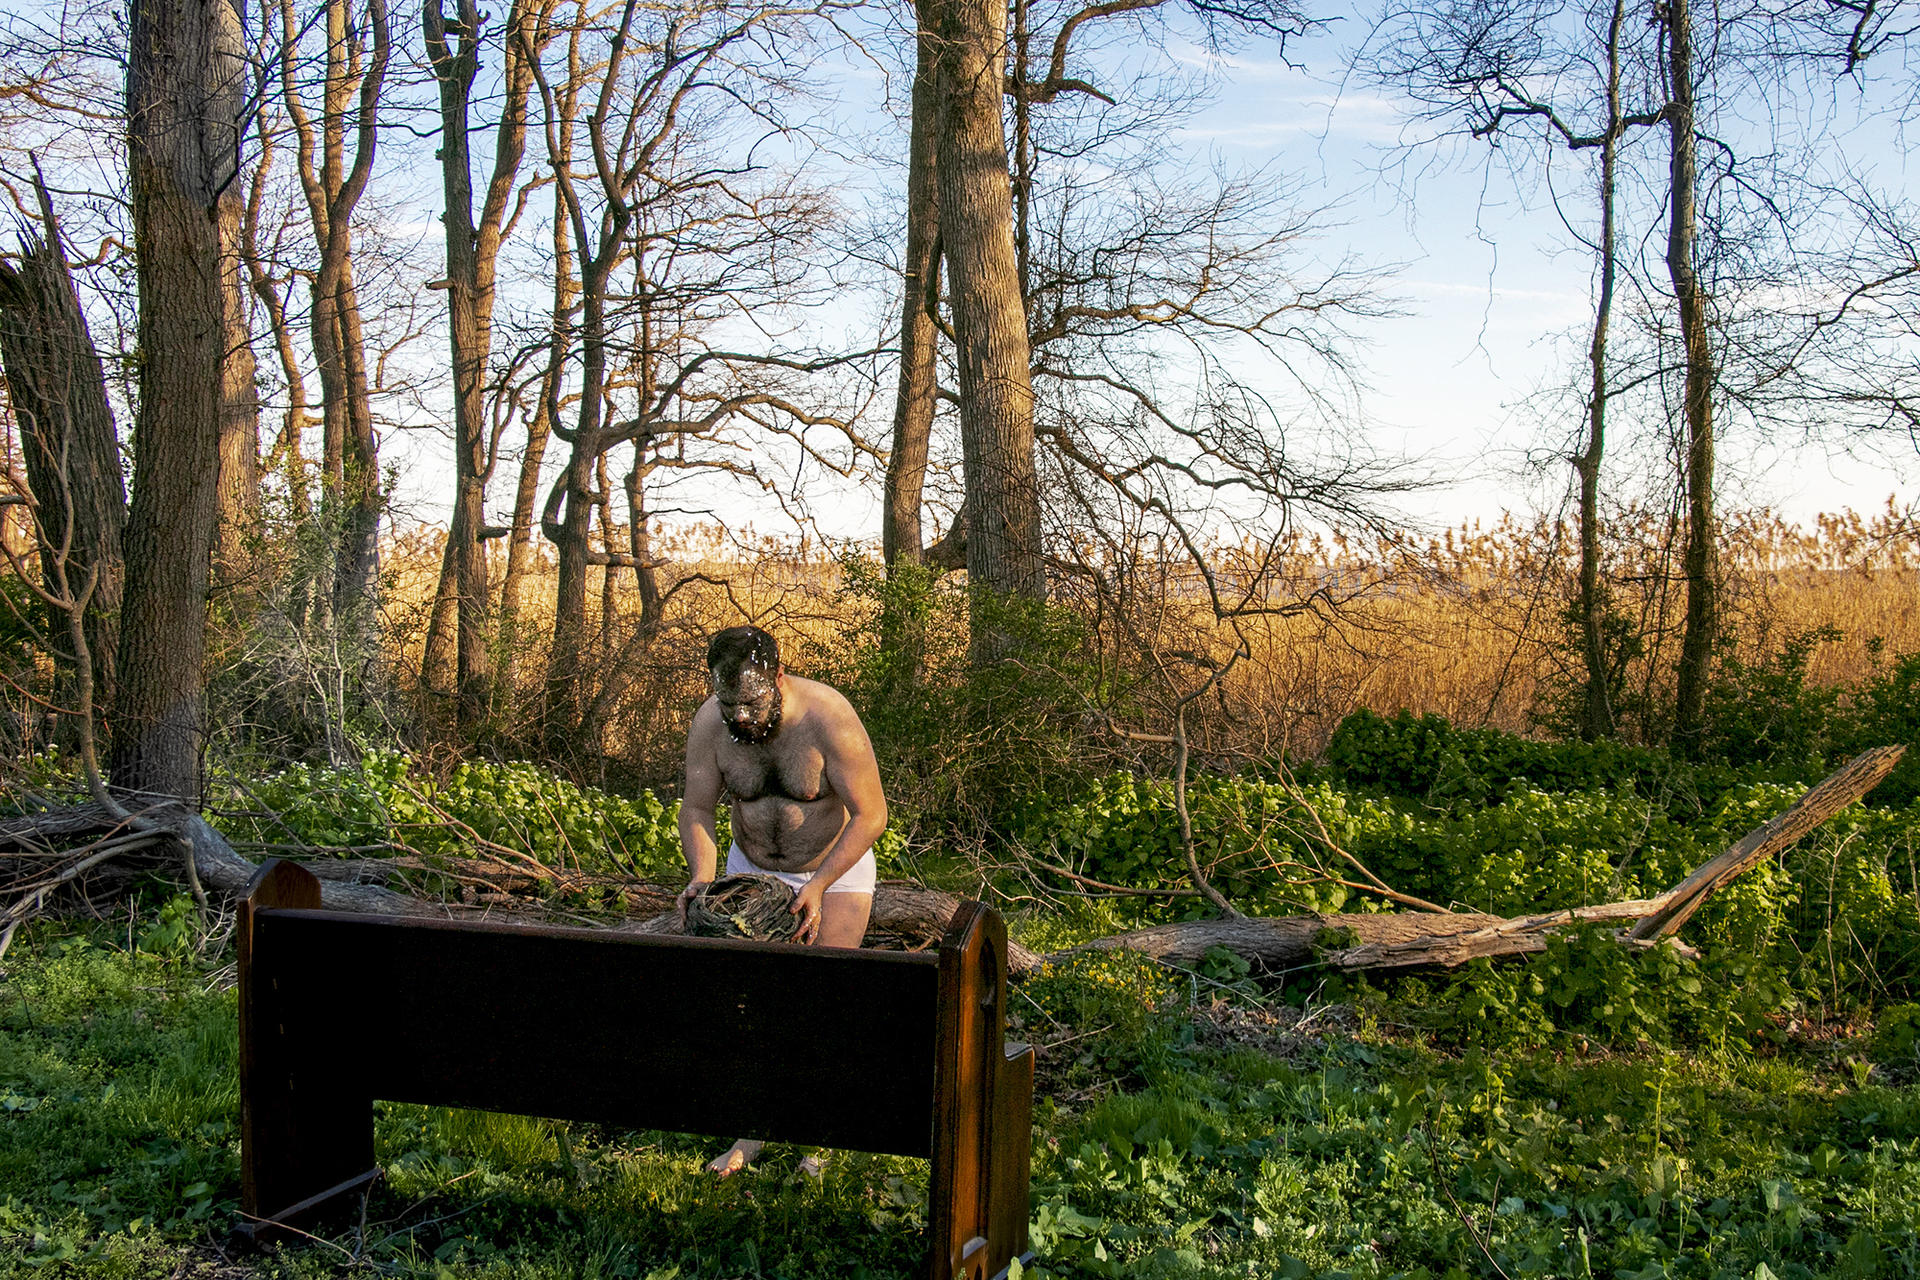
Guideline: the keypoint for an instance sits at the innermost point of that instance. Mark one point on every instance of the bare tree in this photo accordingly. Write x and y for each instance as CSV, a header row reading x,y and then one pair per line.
x,y
986,237
1558,73
975,200
1496,68
1700,560
353,72
900,531
674,233
473,249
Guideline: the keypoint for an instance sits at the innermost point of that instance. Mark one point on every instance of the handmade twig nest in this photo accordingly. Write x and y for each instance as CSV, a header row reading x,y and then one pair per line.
x,y
747,906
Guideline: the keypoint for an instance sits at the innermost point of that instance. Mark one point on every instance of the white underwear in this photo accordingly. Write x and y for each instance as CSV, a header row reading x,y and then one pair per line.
x,y
860,878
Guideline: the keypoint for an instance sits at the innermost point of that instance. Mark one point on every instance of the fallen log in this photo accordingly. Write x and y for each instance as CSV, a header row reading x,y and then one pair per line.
x,y
1355,940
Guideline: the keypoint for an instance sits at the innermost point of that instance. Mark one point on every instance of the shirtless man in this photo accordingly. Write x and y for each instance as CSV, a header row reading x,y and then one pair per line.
x,y
807,804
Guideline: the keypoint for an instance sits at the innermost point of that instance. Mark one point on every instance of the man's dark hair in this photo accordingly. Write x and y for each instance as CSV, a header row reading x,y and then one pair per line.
x,y
735,647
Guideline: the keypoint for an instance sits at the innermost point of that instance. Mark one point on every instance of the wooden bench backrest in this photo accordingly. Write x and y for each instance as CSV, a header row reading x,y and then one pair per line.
x,y
867,1050
813,1046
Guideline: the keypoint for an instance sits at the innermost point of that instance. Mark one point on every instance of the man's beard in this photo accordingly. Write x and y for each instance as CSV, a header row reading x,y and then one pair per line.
x,y
755,734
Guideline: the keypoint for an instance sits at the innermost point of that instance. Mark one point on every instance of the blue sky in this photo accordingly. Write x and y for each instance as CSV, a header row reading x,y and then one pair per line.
x,y
1495,298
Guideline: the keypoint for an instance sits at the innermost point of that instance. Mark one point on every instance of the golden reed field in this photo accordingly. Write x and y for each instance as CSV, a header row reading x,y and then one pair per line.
x,y
1471,625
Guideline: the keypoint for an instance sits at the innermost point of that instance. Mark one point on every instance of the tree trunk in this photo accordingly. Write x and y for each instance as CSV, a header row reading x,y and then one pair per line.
x,y
357,571
520,551
1699,561
239,411
333,190
900,533
567,522
990,326
57,388
472,251
464,565
568,519
1596,713
185,95
285,456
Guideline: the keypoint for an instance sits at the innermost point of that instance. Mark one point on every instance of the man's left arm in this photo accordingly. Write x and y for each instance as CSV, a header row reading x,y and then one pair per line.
x,y
855,777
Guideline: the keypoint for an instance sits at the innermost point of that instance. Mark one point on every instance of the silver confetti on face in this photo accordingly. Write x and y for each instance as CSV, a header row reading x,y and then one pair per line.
x,y
750,703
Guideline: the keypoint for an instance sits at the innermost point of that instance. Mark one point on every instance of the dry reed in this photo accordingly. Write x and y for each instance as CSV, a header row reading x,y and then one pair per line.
x,y
1470,624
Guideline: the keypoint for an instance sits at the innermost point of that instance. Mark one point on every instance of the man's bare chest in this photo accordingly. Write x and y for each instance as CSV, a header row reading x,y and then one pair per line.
x,y
793,772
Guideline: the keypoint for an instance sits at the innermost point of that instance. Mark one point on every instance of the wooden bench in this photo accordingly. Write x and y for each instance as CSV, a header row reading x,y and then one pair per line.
x,y
869,1050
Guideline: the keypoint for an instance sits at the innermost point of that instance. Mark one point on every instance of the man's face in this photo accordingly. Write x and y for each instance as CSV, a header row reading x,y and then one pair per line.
x,y
750,703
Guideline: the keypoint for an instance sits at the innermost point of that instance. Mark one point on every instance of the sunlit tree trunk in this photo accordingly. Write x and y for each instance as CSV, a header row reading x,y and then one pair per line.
x,y
185,91
1699,560
239,412
1596,712
350,463
989,320
472,254
901,534
520,547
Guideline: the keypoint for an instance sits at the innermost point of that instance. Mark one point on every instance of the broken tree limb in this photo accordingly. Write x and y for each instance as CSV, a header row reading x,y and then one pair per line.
x,y
1859,776
214,861
1519,935
1397,940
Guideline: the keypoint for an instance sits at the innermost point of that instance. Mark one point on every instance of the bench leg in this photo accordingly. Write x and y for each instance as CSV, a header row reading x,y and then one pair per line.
x,y
1010,1153
306,1142
306,1149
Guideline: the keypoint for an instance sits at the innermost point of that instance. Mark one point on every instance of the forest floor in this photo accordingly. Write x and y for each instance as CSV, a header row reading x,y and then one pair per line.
x,y
1188,1124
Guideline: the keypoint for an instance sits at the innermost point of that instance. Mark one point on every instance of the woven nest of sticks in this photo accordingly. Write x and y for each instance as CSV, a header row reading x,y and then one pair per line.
x,y
757,907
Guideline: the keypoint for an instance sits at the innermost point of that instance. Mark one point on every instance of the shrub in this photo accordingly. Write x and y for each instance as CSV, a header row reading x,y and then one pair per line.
x,y
1884,710
516,805
1426,758
1765,714
1586,985
960,748
1532,851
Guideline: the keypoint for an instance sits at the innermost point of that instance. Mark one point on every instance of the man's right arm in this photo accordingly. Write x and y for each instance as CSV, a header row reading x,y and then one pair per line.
x,y
699,830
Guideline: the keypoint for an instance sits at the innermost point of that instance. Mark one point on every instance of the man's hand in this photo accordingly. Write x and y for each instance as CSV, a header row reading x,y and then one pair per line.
x,y
687,895
806,905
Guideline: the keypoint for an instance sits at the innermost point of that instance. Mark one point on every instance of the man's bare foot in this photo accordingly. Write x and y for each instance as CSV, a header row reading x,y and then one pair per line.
x,y
737,1157
814,1165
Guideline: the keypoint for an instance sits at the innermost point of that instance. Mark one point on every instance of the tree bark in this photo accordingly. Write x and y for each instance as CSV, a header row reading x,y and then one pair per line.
x,y
57,388
1700,558
520,549
990,325
900,532
1596,712
472,253
239,497
185,96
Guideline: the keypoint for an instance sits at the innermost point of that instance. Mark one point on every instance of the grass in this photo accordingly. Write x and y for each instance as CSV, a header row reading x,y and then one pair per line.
x,y
1183,1129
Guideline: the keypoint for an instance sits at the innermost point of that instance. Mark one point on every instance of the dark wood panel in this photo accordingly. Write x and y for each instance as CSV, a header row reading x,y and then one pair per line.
x,y
823,1047
299,1131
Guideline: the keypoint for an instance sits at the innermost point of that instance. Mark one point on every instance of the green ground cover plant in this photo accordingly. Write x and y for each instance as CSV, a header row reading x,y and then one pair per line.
x,y
1187,1126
